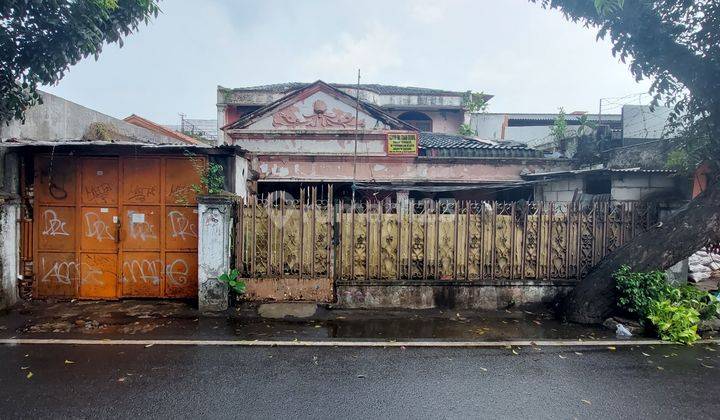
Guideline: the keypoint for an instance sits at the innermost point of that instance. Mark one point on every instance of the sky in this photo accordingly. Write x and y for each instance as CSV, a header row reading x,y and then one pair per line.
x,y
530,59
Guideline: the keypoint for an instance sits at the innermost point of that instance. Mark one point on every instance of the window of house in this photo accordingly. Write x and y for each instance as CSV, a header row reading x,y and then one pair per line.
x,y
418,120
597,185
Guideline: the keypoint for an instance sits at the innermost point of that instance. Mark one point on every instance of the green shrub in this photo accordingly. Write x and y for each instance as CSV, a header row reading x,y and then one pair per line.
x,y
675,321
638,290
232,280
674,311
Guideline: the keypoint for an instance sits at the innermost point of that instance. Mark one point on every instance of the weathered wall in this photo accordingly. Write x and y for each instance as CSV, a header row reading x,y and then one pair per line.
x,y
474,297
214,223
289,289
443,121
624,187
639,187
9,253
388,169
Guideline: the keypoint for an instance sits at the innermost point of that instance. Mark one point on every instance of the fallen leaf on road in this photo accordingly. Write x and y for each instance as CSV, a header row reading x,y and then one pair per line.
x,y
29,375
537,322
515,352
645,354
24,367
68,362
707,366
612,348
578,353
483,369
361,376
709,349
561,356
149,345
660,368
318,326
121,379
586,402
315,360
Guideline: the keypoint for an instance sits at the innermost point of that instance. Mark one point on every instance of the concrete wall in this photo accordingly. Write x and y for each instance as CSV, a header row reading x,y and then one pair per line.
x,y
471,297
9,253
58,119
559,190
389,169
443,121
624,187
639,186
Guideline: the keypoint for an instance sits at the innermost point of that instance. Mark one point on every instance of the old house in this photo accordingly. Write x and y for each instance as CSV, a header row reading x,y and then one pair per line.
x,y
380,140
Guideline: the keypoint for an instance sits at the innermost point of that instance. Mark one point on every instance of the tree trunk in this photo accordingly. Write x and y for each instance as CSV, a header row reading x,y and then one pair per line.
x,y
673,240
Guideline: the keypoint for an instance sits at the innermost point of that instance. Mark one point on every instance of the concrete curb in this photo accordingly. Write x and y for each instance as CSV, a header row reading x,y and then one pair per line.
x,y
405,344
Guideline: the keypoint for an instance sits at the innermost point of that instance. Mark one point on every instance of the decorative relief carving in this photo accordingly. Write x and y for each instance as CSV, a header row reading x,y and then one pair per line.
x,y
320,118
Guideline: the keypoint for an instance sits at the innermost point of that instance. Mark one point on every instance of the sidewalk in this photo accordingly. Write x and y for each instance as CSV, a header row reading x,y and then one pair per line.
x,y
158,320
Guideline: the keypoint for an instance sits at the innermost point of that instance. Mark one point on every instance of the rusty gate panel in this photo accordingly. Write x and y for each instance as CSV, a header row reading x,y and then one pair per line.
x,y
57,274
99,229
141,181
55,180
142,274
181,270
99,181
141,228
98,276
110,227
180,176
181,228
57,228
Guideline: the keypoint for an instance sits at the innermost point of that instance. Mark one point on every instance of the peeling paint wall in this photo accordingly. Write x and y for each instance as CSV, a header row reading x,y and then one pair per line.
x,y
277,168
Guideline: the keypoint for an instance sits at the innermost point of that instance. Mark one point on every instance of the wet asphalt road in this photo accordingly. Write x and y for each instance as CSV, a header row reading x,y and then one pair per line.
x,y
271,382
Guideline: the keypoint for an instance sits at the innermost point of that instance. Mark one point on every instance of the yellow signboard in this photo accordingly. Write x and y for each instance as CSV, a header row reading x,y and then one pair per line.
x,y
402,144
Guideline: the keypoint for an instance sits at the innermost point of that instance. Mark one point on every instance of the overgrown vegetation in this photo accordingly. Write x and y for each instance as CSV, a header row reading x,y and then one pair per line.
x,y
674,311
474,101
466,130
558,131
232,280
212,179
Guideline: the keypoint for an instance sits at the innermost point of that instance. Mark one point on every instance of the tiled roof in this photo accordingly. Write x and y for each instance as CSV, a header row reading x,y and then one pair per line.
x,y
380,89
454,145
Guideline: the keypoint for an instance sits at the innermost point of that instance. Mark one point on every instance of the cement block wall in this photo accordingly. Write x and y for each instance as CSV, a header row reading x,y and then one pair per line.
x,y
9,253
624,187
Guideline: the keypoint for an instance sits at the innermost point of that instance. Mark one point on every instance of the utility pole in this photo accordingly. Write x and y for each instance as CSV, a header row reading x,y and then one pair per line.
x,y
357,115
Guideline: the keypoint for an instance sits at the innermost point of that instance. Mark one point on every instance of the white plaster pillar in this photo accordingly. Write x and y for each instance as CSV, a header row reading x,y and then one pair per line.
x,y
9,253
215,221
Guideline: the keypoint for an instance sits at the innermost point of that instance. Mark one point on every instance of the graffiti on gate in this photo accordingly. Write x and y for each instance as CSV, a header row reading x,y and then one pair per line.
x,y
53,225
62,273
98,192
148,271
140,228
142,193
180,226
96,228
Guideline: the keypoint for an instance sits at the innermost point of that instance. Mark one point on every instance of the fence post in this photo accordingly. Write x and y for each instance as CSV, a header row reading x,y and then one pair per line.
x,y
215,220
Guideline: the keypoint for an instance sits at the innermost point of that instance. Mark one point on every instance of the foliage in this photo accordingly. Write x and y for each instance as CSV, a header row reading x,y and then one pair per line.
x,y
639,290
41,39
558,131
674,311
212,178
466,130
675,321
676,45
474,101
585,126
231,278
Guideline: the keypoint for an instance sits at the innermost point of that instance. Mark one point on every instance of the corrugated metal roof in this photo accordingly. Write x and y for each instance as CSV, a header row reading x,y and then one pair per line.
x,y
561,174
380,89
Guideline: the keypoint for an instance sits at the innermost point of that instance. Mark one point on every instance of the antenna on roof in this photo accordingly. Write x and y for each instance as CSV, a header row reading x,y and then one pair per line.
x,y
357,114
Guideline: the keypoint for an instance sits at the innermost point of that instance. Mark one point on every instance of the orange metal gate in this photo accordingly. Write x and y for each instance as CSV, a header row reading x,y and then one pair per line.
x,y
112,227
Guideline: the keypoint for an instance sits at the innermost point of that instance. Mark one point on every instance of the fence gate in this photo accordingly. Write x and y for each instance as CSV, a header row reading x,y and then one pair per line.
x,y
282,239
111,227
